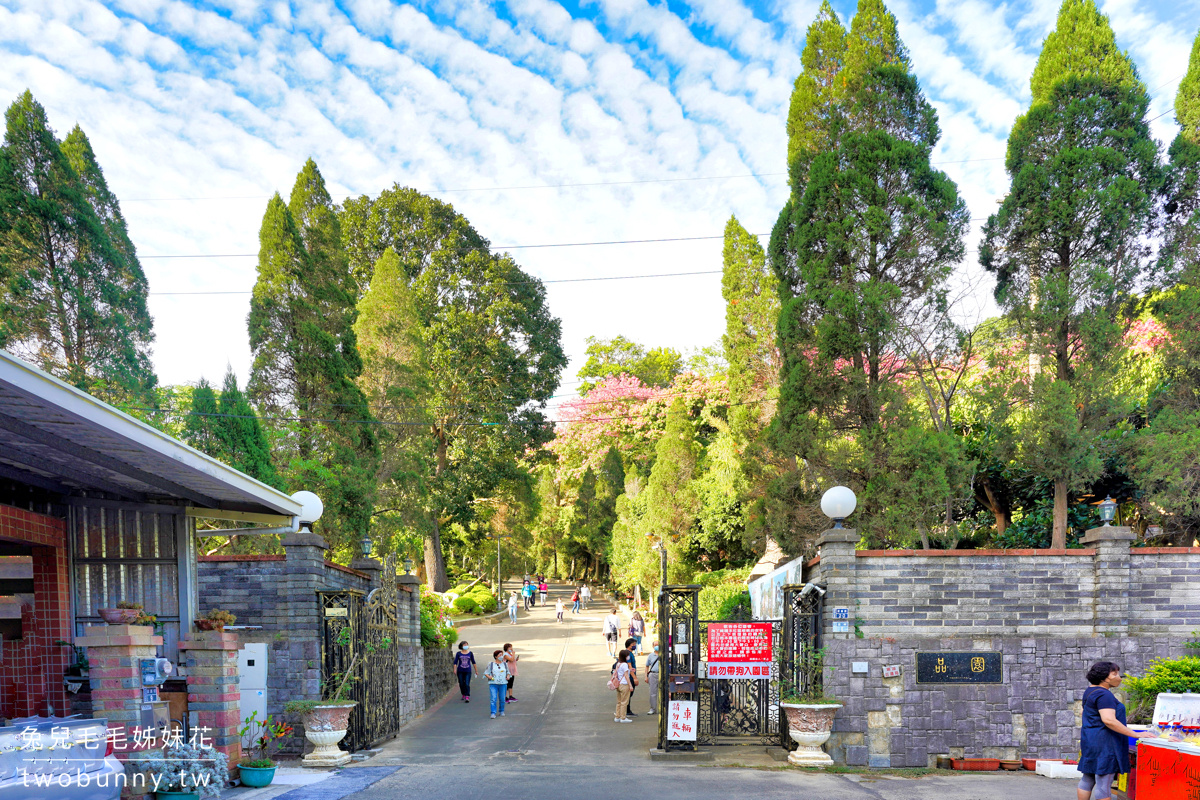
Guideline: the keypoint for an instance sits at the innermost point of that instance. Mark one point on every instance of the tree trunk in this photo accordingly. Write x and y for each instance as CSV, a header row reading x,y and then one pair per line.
x,y
435,564
1058,539
924,535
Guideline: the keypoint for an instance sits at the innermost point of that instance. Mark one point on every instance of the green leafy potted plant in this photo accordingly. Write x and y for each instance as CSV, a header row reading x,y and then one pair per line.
x,y
184,772
124,614
263,736
809,713
216,620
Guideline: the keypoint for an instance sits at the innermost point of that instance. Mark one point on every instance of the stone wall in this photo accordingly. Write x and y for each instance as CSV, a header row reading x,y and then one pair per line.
x,y
1049,613
438,677
1033,712
275,597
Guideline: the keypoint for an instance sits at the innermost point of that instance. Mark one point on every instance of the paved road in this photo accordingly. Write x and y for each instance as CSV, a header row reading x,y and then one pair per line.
x,y
559,741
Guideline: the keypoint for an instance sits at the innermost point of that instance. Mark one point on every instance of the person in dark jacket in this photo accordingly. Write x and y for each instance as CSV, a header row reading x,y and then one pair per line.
x,y
1103,741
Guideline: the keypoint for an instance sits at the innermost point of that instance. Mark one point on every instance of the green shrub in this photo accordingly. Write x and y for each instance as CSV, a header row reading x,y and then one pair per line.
x,y
436,627
485,602
736,607
1175,675
712,598
460,589
466,605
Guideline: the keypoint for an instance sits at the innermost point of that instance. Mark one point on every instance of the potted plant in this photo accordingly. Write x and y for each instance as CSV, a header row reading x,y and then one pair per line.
x,y
261,735
216,620
184,772
809,714
124,614
326,721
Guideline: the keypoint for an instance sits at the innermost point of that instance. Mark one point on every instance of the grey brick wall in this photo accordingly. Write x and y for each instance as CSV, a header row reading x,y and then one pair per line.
x,y
1050,613
1033,712
280,596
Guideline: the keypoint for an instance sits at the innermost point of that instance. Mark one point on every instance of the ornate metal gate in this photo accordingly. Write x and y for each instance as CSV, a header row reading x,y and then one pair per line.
x,y
736,710
369,651
740,710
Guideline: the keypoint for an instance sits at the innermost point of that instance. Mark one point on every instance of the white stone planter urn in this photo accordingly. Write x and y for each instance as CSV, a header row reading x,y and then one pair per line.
x,y
809,725
325,726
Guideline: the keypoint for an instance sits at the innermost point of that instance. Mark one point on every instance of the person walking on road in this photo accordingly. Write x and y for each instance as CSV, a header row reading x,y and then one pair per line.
x,y
637,629
527,591
510,659
497,675
464,663
626,680
558,609
585,594
543,589
512,608
612,631
653,662
575,602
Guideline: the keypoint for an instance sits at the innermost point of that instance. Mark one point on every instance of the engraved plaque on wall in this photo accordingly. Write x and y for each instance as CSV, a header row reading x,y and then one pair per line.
x,y
951,667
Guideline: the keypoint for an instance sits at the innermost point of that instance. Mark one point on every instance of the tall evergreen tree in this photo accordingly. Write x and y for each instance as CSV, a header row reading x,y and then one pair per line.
x,y
1068,244
873,236
490,347
201,423
74,298
244,444
306,359
810,118
671,502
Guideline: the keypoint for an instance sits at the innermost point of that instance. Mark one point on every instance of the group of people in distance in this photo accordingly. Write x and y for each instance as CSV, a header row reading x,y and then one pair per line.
x,y
533,590
501,674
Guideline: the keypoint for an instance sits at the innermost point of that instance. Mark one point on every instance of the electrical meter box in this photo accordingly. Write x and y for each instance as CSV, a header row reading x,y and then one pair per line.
x,y
156,715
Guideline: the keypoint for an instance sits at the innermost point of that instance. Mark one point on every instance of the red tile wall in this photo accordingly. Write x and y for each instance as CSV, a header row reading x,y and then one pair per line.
x,y
31,669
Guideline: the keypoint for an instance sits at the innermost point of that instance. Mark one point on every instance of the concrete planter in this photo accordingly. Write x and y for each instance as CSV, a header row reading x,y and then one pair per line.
x,y
809,725
325,726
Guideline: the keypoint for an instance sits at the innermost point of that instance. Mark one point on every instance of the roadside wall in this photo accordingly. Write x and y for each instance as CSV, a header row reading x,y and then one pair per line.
x,y
276,602
1049,614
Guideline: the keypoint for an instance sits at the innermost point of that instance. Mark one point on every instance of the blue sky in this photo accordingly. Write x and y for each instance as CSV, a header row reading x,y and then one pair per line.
x,y
200,110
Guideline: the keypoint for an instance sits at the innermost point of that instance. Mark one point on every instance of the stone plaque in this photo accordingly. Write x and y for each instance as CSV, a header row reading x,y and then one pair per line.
x,y
968,667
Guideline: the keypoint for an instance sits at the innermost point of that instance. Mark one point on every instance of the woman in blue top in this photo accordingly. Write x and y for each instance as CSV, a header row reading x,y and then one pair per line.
x,y
464,663
1103,740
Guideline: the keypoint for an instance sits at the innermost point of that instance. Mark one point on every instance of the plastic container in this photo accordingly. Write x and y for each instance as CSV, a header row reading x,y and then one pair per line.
x,y
976,764
1031,763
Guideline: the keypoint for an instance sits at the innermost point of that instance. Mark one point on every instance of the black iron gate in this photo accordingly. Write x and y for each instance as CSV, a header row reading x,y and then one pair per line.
x,y
358,635
735,711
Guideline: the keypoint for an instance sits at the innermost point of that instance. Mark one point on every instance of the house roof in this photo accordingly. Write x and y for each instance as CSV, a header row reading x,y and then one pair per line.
x,y
60,439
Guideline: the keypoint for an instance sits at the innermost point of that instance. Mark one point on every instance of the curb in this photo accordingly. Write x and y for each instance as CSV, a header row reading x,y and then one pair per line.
x,y
681,756
489,619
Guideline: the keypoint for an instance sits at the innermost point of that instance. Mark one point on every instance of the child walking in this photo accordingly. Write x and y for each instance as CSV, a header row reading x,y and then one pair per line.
x,y
558,608
497,675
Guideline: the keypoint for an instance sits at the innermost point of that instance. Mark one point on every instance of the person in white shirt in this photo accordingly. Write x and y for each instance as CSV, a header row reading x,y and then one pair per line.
x,y
558,609
585,594
513,600
612,631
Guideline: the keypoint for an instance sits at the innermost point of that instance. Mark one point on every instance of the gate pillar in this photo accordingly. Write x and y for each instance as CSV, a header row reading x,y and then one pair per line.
x,y
213,696
679,662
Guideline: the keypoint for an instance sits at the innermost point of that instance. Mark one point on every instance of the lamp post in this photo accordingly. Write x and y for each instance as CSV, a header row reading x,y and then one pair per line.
x,y
407,565
311,508
838,503
365,544
1108,509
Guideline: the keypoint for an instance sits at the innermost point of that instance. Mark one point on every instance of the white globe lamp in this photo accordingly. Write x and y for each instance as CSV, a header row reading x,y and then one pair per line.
x,y
838,503
311,507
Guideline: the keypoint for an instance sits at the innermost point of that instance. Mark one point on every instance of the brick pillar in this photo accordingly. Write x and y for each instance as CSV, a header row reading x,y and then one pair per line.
x,y
837,547
408,611
1112,576
114,655
213,696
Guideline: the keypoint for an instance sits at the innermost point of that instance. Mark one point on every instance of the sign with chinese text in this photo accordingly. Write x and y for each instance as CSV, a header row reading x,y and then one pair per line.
x,y
968,667
726,670
1167,773
739,642
681,720
841,612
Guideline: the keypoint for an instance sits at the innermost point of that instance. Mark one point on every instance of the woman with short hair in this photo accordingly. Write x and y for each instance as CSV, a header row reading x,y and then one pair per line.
x,y
1103,742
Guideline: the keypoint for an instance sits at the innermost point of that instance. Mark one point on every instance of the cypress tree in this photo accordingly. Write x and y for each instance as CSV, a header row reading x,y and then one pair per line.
x,y
671,500
1082,44
306,359
809,122
244,444
75,296
200,425
1068,242
871,240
